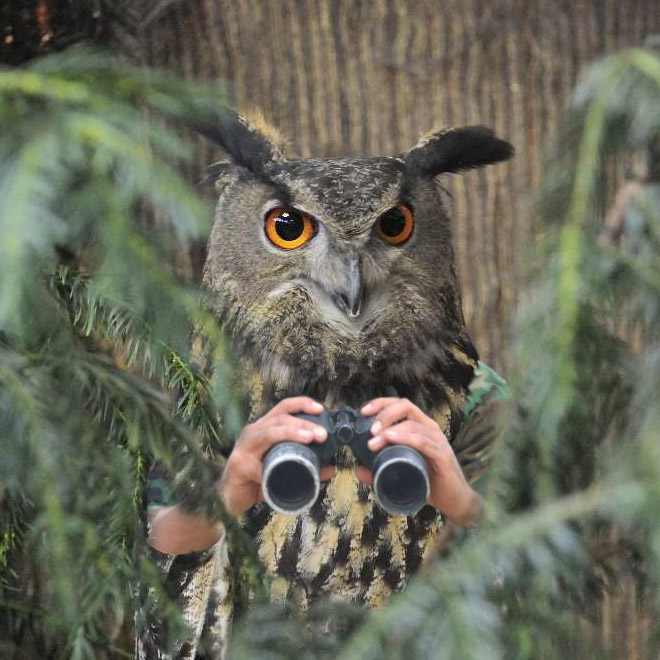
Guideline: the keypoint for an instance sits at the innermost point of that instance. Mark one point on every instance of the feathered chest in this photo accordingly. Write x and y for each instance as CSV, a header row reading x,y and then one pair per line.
x,y
345,545
417,349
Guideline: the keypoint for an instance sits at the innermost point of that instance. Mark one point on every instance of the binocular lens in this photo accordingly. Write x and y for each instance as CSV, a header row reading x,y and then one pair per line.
x,y
291,481
401,480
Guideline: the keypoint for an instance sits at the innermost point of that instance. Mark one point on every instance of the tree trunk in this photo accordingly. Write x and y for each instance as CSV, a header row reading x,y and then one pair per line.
x,y
339,77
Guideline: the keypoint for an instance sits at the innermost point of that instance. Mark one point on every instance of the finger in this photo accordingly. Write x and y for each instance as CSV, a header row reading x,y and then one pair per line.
x,y
374,406
295,404
363,474
413,440
433,450
380,441
327,472
400,410
317,431
265,438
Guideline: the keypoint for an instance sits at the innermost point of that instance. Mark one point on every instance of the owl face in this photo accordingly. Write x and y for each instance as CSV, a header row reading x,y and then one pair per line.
x,y
339,270
340,232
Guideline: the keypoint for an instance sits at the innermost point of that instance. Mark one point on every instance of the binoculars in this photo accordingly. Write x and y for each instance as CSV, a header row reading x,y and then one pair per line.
x,y
291,471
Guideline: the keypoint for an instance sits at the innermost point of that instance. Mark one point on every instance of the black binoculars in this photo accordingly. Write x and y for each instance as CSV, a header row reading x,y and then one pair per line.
x,y
291,471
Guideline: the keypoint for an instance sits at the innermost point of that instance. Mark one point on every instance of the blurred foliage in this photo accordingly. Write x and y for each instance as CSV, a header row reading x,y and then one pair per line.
x,y
95,329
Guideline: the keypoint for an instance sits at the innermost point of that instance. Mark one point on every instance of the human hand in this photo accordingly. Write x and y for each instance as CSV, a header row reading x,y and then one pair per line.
x,y
240,484
399,422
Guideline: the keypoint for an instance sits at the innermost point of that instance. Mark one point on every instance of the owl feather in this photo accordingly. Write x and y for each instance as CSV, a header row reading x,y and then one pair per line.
x,y
409,339
349,313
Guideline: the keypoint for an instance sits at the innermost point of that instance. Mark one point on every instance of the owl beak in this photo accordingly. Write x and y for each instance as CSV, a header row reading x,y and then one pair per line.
x,y
349,301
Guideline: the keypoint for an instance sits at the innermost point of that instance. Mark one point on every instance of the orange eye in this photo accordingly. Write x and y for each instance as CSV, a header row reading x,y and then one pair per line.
x,y
288,228
396,225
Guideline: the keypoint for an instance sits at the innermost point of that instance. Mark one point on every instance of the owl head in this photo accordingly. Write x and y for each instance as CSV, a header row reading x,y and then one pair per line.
x,y
336,276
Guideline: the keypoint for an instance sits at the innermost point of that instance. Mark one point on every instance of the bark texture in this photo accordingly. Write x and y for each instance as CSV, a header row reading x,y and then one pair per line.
x,y
339,77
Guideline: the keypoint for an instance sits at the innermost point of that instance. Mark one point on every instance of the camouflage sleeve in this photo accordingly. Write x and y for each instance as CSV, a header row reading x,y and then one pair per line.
x,y
198,583
489,399
158,491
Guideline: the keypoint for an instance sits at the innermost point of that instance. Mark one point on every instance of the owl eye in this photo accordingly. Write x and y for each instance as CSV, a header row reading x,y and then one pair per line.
x,y
396,225
288,228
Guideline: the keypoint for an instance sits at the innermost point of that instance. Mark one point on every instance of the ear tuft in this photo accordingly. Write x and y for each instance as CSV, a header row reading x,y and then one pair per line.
x,y
456,150
259,124
246,143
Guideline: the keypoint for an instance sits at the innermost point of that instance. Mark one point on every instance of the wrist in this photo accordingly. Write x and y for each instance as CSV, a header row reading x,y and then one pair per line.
x,y
469,513
223,494
232,495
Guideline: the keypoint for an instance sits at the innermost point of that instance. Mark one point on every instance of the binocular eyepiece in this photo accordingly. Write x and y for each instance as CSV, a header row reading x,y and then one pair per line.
x,y
291,476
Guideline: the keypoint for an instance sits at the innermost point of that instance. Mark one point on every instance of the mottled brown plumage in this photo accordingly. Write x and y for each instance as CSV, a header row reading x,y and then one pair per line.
x,y
409,339
343,319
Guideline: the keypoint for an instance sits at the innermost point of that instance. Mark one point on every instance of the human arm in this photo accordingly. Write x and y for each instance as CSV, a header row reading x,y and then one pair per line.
x,y
399,421
174,531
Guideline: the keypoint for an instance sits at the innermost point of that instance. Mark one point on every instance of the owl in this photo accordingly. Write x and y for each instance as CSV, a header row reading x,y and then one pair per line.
x,y
336,279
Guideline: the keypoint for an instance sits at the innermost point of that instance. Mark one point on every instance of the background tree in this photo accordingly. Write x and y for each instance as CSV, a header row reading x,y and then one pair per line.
x,y
338,77
75,423
94,325
32,28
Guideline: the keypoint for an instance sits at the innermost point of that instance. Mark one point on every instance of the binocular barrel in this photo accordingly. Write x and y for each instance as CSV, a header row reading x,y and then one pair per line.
x,y
291,480
401,480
